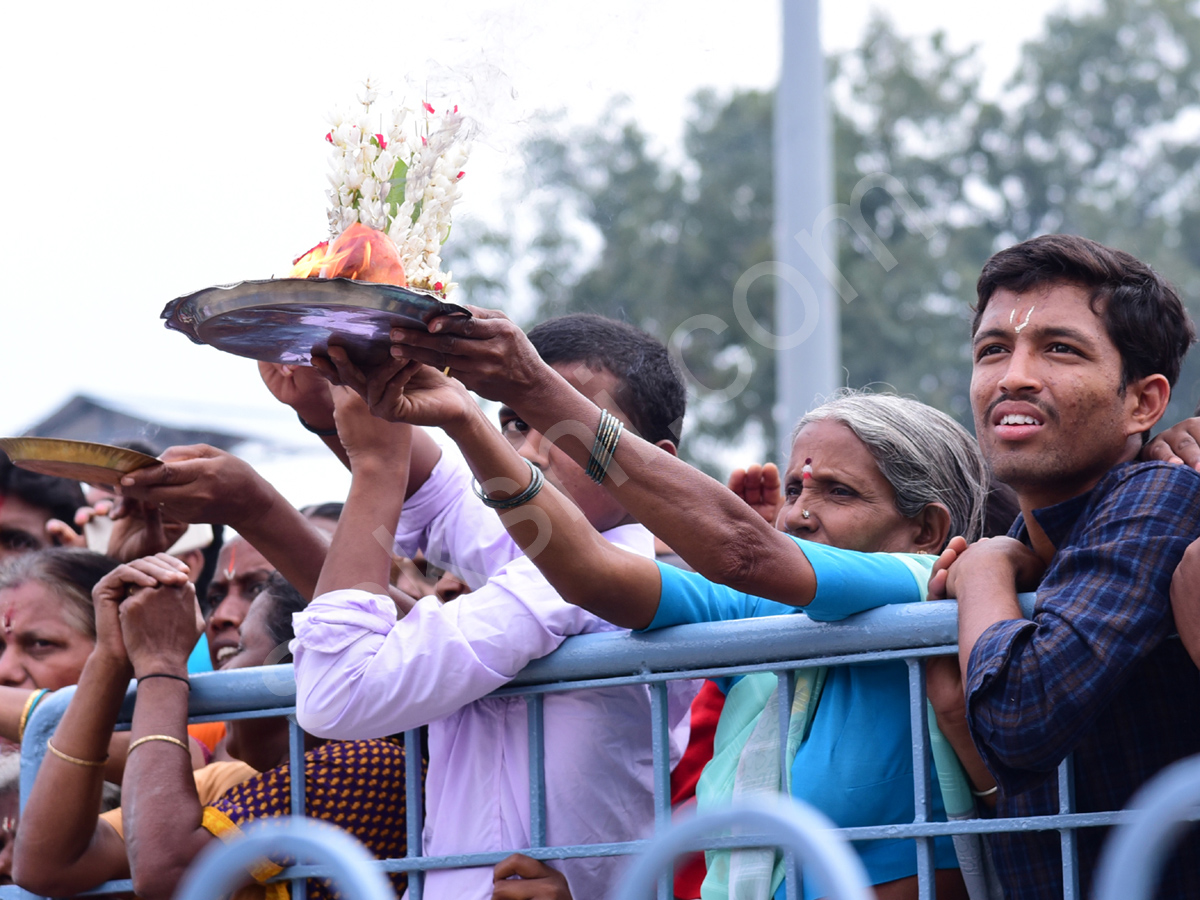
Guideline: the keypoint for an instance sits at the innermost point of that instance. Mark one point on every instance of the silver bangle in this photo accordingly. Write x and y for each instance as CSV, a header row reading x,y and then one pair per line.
x,y
987,793
608,433
536,482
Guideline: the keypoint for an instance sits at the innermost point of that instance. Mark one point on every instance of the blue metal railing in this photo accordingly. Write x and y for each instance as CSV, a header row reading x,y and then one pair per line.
x,y
802,831
219,869
780,644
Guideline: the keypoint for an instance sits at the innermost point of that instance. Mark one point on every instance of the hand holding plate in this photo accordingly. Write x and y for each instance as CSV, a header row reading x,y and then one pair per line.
x,y
370,442
200,483
407,391
303,389
486,351
141,529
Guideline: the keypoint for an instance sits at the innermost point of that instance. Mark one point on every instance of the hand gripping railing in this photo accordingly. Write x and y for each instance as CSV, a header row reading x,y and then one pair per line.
x,y
780,644
779,822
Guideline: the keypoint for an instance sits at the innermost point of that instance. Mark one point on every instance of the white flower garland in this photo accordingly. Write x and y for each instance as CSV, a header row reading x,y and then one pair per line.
x,y
404,183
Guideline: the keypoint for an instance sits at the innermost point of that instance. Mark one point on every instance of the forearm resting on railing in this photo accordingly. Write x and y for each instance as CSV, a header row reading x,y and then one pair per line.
x,y
62,847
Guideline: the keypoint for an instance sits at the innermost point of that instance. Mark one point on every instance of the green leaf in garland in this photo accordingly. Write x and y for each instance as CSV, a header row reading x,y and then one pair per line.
x,y
417,211
399,178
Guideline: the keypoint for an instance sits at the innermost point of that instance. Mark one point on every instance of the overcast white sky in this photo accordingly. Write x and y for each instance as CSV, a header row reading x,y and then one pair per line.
x,y
152,149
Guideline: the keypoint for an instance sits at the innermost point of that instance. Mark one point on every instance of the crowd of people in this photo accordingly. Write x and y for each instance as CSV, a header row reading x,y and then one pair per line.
x,y
441,576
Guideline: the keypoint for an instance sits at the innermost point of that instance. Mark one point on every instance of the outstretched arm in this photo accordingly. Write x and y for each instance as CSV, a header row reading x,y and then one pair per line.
x,y
360,555
305,390
583,567
705,523
204,484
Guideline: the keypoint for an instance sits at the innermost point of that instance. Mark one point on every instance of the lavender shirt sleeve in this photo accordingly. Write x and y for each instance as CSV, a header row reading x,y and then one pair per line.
x,y
361,672
448,523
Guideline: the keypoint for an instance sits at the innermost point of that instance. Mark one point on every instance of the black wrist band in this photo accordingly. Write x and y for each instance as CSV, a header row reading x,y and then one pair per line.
x,y
319,432
166,675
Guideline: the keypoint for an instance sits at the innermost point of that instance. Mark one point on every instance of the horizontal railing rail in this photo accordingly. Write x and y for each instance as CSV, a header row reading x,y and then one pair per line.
x,y
779,644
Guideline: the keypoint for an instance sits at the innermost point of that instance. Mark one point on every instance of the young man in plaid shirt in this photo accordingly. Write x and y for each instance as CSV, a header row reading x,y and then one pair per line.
x,y
1076,347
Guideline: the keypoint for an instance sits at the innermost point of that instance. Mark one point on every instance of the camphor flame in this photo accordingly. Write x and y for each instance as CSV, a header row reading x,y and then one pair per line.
x,y
359,252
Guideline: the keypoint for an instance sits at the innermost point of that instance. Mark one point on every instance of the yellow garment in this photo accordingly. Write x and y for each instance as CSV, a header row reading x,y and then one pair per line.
x,y
211,782
355,785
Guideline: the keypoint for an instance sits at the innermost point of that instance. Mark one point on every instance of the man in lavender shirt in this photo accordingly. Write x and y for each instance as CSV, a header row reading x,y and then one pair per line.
x,y
362,670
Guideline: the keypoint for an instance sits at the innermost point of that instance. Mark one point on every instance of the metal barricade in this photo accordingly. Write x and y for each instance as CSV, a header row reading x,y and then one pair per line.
x,y
1160,813
219,869
778,644
809,836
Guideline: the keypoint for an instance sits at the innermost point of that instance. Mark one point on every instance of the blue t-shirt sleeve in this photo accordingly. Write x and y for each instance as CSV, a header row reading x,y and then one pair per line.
x,y
688,597
850,582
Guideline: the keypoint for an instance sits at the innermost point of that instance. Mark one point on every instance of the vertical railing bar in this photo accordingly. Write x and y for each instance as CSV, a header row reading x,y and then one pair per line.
x,y
1067,836
918,719
296,763
661,748
535,707
787,694
414,805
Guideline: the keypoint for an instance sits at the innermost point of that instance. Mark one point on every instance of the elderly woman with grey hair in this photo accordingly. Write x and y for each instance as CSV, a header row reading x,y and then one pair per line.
x,y
875,488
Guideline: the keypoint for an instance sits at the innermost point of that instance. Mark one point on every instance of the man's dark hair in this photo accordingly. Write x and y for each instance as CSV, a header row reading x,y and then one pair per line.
x,y
282,600
653,392
1141,311
61,497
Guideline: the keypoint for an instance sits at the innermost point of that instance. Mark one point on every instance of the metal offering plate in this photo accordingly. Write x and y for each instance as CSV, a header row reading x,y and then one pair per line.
x,y
79,460
283,320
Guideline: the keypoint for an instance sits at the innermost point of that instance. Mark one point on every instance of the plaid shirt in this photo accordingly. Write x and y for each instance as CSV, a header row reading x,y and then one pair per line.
x,y
1093,673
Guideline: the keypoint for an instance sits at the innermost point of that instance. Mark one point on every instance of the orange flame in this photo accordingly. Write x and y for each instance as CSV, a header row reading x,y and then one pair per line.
x,y
359,252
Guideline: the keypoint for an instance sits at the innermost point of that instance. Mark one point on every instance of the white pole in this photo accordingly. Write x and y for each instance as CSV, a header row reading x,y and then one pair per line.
x,y
807,358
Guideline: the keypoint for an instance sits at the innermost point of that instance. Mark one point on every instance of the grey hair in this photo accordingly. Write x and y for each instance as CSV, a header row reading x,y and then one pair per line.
x,y
924,454
69,573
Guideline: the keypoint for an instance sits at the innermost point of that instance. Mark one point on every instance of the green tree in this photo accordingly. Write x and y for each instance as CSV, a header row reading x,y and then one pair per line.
x,y
670,245
1105,142
1094,134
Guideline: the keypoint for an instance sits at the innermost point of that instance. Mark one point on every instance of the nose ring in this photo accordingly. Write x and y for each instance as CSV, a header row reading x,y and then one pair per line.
x,y
804,513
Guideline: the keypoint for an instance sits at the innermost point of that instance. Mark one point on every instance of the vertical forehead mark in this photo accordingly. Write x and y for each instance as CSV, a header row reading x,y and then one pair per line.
x,y
231,570
1028,315
807,470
